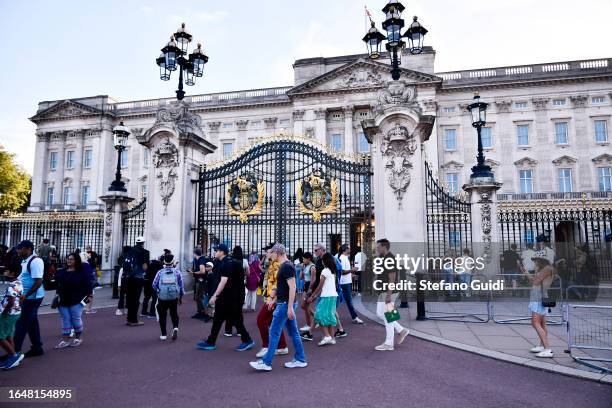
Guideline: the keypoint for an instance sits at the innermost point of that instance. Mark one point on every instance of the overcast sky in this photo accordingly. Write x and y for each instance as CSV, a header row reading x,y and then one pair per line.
x,y
64,49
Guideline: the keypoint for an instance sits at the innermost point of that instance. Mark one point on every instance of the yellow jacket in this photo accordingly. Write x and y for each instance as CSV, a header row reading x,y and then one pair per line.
x,y
272,276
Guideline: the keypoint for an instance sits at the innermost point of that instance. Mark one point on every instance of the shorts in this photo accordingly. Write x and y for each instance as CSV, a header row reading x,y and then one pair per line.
x,y
536,307
7,325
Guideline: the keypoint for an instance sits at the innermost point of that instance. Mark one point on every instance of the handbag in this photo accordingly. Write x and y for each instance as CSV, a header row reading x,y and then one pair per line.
x,y
55,302
546,300
392,315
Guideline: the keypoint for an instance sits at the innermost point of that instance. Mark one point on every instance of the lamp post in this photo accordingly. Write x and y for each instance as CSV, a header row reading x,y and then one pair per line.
x,y
393,26
478,110
174,56
120,139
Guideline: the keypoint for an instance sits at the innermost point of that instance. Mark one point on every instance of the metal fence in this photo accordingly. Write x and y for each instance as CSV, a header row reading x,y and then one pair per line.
x,y
133,222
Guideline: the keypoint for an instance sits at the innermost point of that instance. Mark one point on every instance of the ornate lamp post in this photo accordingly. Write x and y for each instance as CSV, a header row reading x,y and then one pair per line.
x,y
393,26
120,138
174,56
478,110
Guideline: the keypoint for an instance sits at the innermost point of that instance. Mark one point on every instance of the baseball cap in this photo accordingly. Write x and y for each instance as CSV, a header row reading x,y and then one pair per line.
x,y
222,247
140,240
25,244
210,264
541,238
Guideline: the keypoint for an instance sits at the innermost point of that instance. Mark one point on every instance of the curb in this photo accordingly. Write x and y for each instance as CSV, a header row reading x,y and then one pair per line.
x,y
497,355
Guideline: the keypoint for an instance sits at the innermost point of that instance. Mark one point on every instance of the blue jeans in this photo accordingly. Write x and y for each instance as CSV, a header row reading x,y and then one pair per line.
x,y
28,323
348,298
280,320
71,319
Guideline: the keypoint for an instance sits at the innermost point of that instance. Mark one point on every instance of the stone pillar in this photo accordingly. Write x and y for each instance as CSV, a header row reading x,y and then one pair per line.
x,y
114,204
298,123
542,143
41,167
321,126
349,142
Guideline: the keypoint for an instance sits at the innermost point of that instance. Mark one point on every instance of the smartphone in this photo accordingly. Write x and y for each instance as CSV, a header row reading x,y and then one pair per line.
x,y
85,301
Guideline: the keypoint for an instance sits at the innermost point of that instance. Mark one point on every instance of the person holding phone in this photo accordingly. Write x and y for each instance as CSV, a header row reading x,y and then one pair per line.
x,y
74,291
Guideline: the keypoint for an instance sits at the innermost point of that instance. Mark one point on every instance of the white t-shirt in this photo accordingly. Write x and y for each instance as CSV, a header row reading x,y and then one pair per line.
x,y
329,286
526,256
346,266
360,260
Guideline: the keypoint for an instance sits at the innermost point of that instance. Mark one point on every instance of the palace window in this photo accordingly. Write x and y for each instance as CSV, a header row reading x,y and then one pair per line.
x,y
70,159
336,142
526,181
601,131
520,105
67,195
452,182
125,160
596,100
85,195
53,161
448,109
144,189
88,156
283,123
487,138
522,134
561,133
364,146
604,175
228,125
558,102
50,195
565,180
146,157
450,139
336,116
228,150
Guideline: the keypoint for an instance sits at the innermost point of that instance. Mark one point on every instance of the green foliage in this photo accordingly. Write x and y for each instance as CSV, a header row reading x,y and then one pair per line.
x,y
15,184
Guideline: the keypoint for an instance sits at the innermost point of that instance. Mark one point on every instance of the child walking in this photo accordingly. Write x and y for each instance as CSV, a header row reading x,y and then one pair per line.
x,y
11,310
168,284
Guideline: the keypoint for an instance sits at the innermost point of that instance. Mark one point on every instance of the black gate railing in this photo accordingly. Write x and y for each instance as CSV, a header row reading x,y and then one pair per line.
x,y
133,223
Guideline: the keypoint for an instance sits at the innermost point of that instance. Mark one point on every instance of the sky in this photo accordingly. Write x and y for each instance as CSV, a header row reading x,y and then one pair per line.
x,y
64,49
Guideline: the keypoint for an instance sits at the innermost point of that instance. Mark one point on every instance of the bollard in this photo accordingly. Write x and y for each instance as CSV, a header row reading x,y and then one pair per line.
x,y
420,297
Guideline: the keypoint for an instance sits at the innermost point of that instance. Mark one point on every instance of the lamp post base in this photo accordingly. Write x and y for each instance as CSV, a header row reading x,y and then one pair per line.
x,y
481,171
117,185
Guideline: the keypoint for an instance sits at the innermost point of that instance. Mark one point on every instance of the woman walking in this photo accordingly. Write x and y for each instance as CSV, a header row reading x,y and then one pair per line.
x,y
168,284
325,314
541,282
307,275
252,282
298,260
73,289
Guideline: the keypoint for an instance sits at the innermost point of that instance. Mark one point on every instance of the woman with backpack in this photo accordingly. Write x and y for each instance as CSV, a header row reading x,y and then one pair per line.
x,y
168,284
73,290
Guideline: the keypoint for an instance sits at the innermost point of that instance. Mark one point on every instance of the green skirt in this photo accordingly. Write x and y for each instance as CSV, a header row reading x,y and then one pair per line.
x,y
325,315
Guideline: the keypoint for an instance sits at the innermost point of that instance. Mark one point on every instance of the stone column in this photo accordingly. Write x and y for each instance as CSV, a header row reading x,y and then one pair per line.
x,y
41,167
583,181
349,137
114,204
298,123
544,140
321,126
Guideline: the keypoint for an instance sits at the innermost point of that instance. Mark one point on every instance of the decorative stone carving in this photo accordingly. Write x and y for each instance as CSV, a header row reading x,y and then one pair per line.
x,y
486,222
348,112
430,105
298,114
108,230
452,166
309,132
214,126
579,101
242,124
137,132
320,113
166,160
178,118
503,106
564,161
540,103
359,79
397,146
397,93
526,162
603,159
270,122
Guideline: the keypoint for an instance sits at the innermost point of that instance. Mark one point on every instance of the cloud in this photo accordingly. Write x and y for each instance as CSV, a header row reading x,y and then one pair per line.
x,y
211,16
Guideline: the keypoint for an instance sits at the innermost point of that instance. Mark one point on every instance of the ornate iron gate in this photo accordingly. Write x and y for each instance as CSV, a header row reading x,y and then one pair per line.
x,y
287,191
133,222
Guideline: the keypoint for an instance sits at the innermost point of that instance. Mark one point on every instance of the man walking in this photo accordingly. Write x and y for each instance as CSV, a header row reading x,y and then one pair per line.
x,y
387,297
228,300
346,281
200,277
32,271
284,314
134,267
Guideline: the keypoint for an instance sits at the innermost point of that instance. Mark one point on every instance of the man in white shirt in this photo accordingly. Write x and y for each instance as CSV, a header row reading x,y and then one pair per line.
x,y
526,260
346,281
360,260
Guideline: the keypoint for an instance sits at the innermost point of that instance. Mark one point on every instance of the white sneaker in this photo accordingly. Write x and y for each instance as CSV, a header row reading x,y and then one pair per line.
x,y
262,352
259,365
357,321
384,347
402,336
281,352
537,349
295,364
174,333
305,328
76,343
162,338
327,340
62,344
118,312
546,353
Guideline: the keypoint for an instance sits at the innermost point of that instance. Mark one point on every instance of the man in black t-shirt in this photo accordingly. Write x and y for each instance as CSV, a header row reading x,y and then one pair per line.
x,y
201,279
228,300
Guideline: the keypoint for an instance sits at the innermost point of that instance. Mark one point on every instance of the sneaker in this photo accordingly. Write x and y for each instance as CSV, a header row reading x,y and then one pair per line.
x,y
282,352
13,361
34,353
327,340
76,343
228,334
546,353
402,336
62,344
340,333
246,346
357,321
174,333
203,345
259,365
384,347
134,324
151,316
305,328
296,364
118,312
537,349
262,352
162,338
91,311
143,314
307,336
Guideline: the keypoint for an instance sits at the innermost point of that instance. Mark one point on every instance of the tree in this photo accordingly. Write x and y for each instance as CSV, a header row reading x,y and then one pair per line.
x,y
15,184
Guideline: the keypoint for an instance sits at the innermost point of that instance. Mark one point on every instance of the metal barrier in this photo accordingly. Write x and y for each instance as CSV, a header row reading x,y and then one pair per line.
x,y
459,306
504,310
589,332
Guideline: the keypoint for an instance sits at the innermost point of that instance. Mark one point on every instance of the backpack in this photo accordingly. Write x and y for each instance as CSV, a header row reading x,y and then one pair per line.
x,y
48,280
168,287
131,267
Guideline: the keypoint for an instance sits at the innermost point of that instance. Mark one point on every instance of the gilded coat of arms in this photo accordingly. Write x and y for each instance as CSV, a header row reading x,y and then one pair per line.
x,y
245,196
317,194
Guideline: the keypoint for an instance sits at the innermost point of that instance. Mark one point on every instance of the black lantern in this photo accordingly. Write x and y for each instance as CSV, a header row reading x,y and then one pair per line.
x,y
373,39
415,35
478,110
393,25
174,56
121,134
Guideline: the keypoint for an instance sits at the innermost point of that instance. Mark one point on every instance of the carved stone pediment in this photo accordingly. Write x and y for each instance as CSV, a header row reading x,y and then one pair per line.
x,y
564,161
603,159
177,118
397,94
452,165
526,162
67,109
503,106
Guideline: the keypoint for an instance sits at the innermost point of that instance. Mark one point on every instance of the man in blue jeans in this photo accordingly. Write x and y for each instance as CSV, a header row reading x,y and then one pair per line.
x,y
32,270
284,314
346,281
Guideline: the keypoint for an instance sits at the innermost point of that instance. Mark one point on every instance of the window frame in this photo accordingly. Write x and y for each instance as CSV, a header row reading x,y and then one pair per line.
x,y
332,138
518,136
53,160
87,158
558,123
447,131
70,159
530,181
605,123
563,180
223,151
602,178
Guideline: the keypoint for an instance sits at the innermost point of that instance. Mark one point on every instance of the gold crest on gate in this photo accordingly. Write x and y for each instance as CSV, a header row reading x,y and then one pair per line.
x,y
245,196
317,194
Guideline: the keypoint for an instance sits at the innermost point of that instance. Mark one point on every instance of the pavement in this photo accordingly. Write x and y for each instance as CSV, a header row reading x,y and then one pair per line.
x,y
130,367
